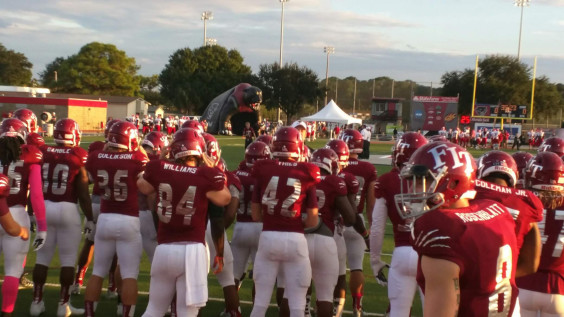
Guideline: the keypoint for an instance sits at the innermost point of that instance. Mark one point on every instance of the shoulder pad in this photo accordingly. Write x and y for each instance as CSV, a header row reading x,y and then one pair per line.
x,y
31,154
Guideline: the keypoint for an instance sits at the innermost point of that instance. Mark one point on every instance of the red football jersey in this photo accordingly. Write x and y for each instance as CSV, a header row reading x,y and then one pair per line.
x,y
4,193
282,189
247,186
60,166
96,146
116,174
387,186
351,182
328,189
182,205
480,239
18,172
365,173
549,278
523,205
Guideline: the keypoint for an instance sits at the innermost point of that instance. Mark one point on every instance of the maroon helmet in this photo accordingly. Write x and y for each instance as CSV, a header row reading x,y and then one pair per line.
x,y
545,171
498,162
157,141
406,145
124,135
326,159
67,132
354,140
440,173
342,149
521,159
287,143
13,127
212,147
187,142
552,144
193,124
108,126
28,117
267,139
256,151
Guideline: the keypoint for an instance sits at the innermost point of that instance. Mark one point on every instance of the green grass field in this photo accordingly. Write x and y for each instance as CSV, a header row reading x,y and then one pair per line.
x,y
375,301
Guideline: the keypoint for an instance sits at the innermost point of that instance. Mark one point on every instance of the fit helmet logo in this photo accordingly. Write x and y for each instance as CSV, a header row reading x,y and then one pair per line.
x,y
534,168
441,150
544,148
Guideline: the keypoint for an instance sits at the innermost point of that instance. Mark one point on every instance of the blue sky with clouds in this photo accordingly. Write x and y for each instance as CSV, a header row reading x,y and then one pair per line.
x,y
403,39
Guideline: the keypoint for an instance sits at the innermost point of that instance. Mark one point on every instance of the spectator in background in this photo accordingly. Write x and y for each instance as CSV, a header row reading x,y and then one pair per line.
x,y
249,134
395,133
366,134
336,131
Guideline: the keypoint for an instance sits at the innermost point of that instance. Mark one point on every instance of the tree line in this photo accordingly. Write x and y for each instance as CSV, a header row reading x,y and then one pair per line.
x,y
193,77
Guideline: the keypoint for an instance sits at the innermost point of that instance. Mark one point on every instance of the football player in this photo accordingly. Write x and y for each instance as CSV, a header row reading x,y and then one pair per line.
x,y
401,282
521,159
281,188
467,251
246,232
9,225
552,144
342,149
332,202
22,164
183,188
542,293
366,175
28,117
115,169
65,182
85,255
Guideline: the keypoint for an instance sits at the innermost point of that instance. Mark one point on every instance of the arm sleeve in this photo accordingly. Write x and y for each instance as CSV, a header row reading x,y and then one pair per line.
x,y
36,196
379,217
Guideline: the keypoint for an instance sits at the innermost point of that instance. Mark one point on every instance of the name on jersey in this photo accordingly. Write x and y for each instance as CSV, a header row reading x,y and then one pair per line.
x,y
58,150
179,168
501,189
291,164
242,173
115,156
490,212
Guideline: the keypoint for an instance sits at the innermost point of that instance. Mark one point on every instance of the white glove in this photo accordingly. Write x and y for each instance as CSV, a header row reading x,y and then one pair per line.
x,y
89,230
378,270
40,238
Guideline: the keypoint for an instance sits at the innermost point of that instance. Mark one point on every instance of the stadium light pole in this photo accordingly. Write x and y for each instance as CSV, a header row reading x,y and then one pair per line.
x,y
206,15
281,44
522,4
211,41
328,50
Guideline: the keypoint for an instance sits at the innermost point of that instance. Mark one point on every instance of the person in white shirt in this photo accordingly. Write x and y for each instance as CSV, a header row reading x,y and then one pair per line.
x,y
366,135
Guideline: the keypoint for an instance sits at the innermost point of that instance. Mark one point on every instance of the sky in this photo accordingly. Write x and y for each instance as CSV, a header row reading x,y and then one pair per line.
x,y
418,40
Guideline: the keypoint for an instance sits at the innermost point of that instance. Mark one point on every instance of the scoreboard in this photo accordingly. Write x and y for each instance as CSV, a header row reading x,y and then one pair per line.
x,y
502,111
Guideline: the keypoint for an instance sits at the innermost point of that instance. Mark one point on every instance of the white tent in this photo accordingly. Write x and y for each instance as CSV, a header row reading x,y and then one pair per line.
x,y
332,113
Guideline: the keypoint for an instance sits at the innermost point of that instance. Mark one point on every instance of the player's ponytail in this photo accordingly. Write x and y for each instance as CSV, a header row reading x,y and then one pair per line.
x,y
10,150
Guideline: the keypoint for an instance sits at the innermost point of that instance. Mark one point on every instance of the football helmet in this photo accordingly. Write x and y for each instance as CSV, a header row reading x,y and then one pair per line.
x,y
35,139
256,151
67,132
342,149
552,144
326,159
438,174
28,117
13,127
354,140
267,139
124,135
212,147
193,124
544,175
187,142
406,145
498,162
287,143
157,141
521,159
108,126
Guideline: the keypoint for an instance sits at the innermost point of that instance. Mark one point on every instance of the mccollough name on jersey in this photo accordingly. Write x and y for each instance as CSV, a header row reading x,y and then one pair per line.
x,y
179,168
115,156
490,212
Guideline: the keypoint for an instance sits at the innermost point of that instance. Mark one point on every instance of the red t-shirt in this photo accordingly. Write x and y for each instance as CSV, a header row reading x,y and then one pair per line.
x,y
549,278
182,205
60,167
282,188
522,204
387,186
365,173
96,146
247,185
18,172
480,239
327,191
116,174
